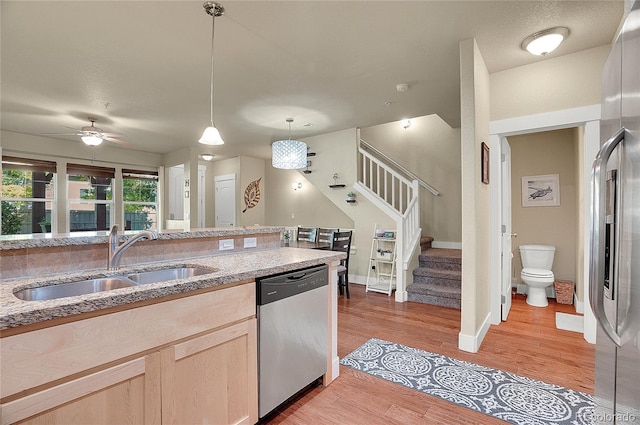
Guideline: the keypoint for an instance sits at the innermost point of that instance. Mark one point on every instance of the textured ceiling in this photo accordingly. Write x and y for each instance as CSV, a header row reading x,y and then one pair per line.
x,y
143,68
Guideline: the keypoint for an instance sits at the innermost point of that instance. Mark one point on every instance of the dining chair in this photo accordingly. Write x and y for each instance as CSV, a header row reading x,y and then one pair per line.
x,y
325,234
308,234
341,241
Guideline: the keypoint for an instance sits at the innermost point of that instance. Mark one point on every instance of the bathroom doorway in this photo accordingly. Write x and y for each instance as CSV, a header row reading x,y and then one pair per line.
x,y
585,118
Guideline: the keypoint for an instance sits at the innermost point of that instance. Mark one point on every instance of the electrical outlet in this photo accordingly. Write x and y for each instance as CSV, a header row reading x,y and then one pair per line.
x,y
225,244
250,242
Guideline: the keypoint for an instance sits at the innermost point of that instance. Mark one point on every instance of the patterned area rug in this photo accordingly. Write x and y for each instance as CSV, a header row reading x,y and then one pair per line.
x,y
512,398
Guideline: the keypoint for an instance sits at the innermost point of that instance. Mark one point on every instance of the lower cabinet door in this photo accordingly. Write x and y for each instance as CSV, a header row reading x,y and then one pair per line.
x,y
212,378
128,393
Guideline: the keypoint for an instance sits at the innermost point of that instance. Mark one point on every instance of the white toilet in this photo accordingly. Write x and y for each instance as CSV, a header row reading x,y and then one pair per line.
x,y
536,272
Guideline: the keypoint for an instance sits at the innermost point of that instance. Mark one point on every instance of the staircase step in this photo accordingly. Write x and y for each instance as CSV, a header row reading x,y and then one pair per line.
x,y
429,276
438,280
425,243
434,295
441,258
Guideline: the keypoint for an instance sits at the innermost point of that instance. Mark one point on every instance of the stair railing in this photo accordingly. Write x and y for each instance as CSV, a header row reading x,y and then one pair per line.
x,y
398,197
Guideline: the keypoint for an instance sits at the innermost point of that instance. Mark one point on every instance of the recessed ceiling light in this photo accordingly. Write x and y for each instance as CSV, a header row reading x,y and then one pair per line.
x,y
545,41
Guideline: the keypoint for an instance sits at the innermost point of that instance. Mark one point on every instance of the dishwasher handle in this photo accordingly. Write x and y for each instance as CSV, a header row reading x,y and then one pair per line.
x,y
274,288
296,277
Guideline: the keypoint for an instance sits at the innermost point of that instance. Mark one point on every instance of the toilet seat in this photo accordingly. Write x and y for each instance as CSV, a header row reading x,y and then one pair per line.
x,y
537,273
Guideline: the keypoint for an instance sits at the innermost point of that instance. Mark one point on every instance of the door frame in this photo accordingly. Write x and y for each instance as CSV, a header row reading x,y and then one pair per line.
x,y
587,117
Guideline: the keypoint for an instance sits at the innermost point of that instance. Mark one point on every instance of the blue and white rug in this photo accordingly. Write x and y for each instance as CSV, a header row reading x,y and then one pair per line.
x,y
512,398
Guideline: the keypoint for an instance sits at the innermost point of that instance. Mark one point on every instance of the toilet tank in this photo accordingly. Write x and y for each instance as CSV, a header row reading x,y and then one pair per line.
x,y
537,256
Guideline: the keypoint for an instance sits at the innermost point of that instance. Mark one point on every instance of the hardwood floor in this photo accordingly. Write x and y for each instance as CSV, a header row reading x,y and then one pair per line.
x,y
527,344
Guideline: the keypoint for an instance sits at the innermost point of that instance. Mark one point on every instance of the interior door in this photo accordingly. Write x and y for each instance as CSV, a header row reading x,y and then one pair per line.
x,y
225,200
505,188
201,196
176,193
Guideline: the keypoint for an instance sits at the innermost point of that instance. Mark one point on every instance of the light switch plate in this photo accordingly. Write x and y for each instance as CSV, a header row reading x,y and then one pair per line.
x,y
250,242
225,244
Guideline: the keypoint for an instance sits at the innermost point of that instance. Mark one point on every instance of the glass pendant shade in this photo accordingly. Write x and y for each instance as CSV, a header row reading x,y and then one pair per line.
x,y
211,136
289,154
92,140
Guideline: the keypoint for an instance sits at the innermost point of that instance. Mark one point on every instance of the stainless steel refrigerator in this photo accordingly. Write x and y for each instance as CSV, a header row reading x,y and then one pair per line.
x,y
615,234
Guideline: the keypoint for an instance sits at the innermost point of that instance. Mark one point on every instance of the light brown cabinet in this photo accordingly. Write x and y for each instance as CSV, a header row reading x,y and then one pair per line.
x,y
186,360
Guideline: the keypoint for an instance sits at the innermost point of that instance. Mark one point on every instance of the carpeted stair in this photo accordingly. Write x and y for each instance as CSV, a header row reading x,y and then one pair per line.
x,y
438,279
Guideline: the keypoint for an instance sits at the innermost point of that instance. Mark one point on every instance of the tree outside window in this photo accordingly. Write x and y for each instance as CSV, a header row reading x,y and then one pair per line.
x,y
140,199
27,195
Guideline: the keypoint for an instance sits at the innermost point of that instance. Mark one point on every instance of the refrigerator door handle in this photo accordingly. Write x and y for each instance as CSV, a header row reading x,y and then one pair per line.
x,y
598,236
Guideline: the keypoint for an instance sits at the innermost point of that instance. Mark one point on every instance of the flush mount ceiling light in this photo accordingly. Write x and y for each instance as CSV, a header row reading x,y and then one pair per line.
x,y
545,41
206,156
211,135
289,154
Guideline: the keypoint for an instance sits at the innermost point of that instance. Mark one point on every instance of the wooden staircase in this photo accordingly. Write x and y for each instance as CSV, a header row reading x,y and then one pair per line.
x,y
438,279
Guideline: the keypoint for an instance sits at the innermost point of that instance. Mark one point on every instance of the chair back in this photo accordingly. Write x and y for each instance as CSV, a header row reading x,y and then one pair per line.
x,y
308,234
325,235
341,241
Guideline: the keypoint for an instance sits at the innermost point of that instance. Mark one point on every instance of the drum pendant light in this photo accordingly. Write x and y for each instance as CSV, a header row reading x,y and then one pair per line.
x,y
211,135
289,154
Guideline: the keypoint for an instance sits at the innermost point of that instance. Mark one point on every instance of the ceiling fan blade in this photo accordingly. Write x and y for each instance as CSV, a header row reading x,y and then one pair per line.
x,y
61,134
117,141
115,134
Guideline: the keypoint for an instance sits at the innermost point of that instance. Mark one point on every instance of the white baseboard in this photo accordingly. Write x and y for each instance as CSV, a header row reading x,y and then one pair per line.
x,y
471,343
579,305
335,367
357,279
446,245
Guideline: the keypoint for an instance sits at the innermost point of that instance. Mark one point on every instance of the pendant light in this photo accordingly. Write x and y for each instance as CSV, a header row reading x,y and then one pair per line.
x,y
289,154
211,135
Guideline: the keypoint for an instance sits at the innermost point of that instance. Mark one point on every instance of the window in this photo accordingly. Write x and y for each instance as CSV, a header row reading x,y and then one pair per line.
x,y
28,195
140,199
90,197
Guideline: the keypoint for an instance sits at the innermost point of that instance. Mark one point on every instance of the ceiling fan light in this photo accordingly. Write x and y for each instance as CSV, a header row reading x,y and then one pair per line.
x,y
211,136
546,41
92,140
289,154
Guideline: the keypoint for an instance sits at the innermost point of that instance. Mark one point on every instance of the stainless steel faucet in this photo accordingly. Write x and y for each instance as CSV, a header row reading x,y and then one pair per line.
x,y
115,251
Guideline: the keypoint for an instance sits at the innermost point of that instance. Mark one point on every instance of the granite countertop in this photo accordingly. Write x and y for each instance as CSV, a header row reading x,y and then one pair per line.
x,y
228,269
44,240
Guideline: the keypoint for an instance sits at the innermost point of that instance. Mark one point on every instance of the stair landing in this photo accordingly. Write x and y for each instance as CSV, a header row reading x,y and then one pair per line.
x,y
438,279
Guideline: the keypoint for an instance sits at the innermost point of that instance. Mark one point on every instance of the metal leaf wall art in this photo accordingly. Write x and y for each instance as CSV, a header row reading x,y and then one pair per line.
x,y
252,194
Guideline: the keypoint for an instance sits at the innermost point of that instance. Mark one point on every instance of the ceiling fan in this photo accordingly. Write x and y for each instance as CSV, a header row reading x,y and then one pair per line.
x,y
92,135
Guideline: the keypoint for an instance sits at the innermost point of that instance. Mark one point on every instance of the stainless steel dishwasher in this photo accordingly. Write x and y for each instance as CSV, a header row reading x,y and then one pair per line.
x,y
292,334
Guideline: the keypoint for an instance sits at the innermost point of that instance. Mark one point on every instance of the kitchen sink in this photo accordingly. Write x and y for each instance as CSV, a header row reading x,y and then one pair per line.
x,y
164,275
62,290
90,286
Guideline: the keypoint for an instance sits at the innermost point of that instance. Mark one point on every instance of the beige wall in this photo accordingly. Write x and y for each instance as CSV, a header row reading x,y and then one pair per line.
x,y
430,149
474,97
552,84
550,152
251,169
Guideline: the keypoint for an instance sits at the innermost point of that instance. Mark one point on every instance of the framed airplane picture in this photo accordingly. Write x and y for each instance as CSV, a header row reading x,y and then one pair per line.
x,y
541,191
